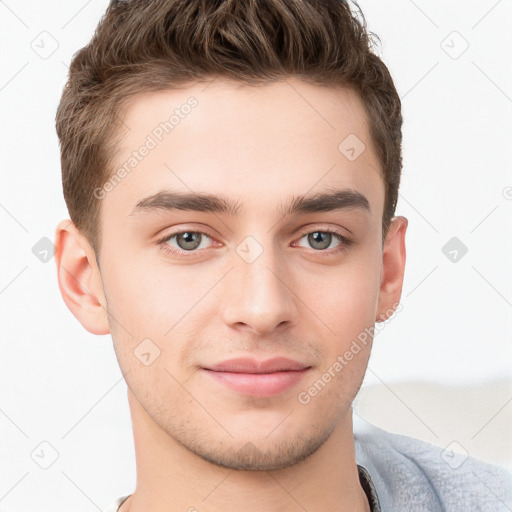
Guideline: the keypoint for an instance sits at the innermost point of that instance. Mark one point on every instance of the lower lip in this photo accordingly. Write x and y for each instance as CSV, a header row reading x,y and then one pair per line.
x,y
259,384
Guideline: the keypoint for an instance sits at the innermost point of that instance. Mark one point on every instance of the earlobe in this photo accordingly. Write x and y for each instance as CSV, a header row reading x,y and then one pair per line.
x,y
393,268
79,278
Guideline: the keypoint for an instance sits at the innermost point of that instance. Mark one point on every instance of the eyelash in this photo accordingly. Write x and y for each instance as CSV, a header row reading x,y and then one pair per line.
x,y
346,242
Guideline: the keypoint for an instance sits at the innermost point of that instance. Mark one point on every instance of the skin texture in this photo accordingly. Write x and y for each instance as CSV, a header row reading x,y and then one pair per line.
x,y
200,445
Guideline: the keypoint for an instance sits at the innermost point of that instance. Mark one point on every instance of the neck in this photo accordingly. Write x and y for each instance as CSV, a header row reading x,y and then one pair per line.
x,y
171,478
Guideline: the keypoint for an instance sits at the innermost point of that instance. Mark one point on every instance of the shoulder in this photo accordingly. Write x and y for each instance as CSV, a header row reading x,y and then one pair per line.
x,y
114,506
410,474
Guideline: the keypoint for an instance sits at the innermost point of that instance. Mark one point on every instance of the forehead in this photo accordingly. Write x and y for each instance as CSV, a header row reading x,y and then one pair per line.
x,y
252,143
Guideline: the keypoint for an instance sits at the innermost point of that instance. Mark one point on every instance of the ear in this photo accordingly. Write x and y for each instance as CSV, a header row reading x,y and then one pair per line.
x,y
79,278
393,267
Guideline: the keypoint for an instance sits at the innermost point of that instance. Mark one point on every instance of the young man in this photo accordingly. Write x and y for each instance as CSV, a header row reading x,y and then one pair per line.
x,y
231,169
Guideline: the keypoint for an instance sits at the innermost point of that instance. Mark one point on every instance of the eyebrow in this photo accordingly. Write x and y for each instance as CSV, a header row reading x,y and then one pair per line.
x,y
343,199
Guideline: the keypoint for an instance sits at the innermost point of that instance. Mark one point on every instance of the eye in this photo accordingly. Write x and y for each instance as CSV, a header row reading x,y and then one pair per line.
x,y
321,240
187,241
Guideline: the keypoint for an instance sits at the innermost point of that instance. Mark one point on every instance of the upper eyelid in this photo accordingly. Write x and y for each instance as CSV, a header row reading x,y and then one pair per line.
x,y
328,229
302,233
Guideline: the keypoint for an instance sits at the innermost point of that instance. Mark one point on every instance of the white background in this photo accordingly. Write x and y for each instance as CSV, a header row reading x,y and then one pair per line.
x,y
61,385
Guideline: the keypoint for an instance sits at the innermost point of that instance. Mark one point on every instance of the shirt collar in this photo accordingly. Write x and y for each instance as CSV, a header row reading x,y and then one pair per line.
x,y
369,489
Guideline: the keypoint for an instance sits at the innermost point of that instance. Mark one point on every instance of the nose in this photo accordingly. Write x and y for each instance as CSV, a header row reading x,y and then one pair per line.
x,y
258,295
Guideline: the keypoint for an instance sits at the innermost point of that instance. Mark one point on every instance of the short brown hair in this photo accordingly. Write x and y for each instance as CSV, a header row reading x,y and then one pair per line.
x,y
155,45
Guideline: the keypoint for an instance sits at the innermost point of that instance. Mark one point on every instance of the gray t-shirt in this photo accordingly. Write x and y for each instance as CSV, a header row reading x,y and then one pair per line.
x,y
402,474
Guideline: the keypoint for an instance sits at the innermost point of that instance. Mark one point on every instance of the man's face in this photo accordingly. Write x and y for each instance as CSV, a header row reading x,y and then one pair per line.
x,y
259,283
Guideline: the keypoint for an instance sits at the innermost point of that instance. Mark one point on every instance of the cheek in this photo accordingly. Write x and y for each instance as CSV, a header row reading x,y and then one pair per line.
x,y
140,299
346,300
150,312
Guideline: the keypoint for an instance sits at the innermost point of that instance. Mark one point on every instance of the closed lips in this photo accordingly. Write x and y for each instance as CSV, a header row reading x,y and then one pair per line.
x,y
249,365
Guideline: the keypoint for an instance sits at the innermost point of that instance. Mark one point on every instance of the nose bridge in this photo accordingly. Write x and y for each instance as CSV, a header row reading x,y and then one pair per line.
x,y
259,294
